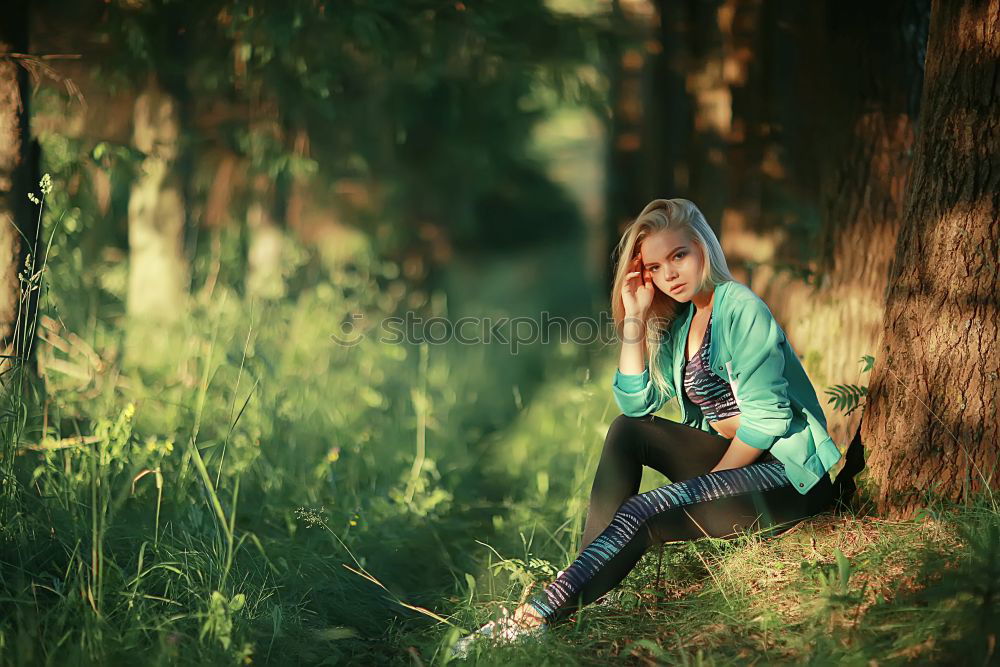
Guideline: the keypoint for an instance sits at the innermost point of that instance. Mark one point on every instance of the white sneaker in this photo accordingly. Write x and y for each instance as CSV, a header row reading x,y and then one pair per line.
x,y
501,631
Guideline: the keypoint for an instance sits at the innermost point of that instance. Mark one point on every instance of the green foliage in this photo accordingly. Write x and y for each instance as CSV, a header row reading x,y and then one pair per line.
x,y
218,623
965,593
171,497
163,515
847,397
430,104
288,421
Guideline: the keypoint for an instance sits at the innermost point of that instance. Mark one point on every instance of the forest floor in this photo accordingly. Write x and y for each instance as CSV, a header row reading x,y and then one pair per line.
x,y
832,590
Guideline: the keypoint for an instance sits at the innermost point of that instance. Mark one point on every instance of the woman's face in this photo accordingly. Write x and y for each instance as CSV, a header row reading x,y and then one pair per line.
x,y
674,263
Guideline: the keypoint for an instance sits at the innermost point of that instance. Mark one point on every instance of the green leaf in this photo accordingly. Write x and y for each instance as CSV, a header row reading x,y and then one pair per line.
x,y
843,569
846,396
869,362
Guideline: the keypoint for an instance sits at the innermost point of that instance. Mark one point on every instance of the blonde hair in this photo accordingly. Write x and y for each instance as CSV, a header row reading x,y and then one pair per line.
x,y
658,215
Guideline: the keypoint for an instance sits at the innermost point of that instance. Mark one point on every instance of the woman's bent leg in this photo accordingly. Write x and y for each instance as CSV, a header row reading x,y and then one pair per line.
x,y
718,504
678,451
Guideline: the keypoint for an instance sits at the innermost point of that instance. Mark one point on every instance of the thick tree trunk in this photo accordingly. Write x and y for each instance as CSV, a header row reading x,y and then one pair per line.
x,y
18,177
931,425
158,271
869,103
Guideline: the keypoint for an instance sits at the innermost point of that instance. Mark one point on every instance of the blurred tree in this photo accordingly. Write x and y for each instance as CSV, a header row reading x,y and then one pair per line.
x,y
930,425
18,178
628,188
172,45
412,122
710,99
419,117
264,277
668,120
749,54
266,237
773,71
158,273
671,108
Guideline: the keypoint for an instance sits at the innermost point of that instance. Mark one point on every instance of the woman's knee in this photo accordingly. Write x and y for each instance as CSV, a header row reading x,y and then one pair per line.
x,y
625,434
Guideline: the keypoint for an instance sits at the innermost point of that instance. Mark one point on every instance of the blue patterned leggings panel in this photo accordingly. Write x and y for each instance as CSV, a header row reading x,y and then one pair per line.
x,y
719,504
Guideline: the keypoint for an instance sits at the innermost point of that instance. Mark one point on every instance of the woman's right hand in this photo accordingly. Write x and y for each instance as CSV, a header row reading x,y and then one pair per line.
x,y
637,290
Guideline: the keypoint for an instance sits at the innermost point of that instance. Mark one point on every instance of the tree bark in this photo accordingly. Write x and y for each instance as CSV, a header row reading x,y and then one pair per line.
x,y
18,178
930,427
667,123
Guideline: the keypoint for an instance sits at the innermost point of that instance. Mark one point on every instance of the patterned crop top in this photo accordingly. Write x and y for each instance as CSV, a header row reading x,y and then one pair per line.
x,y
706,389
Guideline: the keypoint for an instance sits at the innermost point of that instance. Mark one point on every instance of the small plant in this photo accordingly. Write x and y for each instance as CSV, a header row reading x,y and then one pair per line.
x,y
218,620
848,396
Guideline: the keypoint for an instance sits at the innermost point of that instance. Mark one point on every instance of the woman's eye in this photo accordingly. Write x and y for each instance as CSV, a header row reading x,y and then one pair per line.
x,y
682,253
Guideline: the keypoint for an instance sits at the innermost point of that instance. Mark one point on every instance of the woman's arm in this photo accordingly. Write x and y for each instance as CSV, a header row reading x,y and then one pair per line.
x,y
632,360
634,391
637,296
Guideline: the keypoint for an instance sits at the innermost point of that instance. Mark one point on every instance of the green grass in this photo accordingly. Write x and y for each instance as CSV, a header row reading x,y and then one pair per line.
x,y
833,590
266,496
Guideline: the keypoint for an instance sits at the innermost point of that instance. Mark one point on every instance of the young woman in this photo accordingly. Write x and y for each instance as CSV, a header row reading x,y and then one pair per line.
x,y
751,449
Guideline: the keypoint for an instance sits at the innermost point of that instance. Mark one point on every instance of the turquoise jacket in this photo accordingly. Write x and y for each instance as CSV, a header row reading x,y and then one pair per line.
x,y
778,405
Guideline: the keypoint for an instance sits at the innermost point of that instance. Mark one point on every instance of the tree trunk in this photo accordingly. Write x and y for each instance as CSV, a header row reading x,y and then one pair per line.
x,y
776,64
158,271
747,58
873,73
625,196
264,278
711,107
18,178
931,425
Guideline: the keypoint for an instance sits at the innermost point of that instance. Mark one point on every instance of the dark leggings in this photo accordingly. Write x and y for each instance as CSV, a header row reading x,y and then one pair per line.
x,y
622,524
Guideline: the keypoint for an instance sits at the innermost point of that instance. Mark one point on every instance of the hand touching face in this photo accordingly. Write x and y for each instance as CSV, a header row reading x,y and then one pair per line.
x,y
637,290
